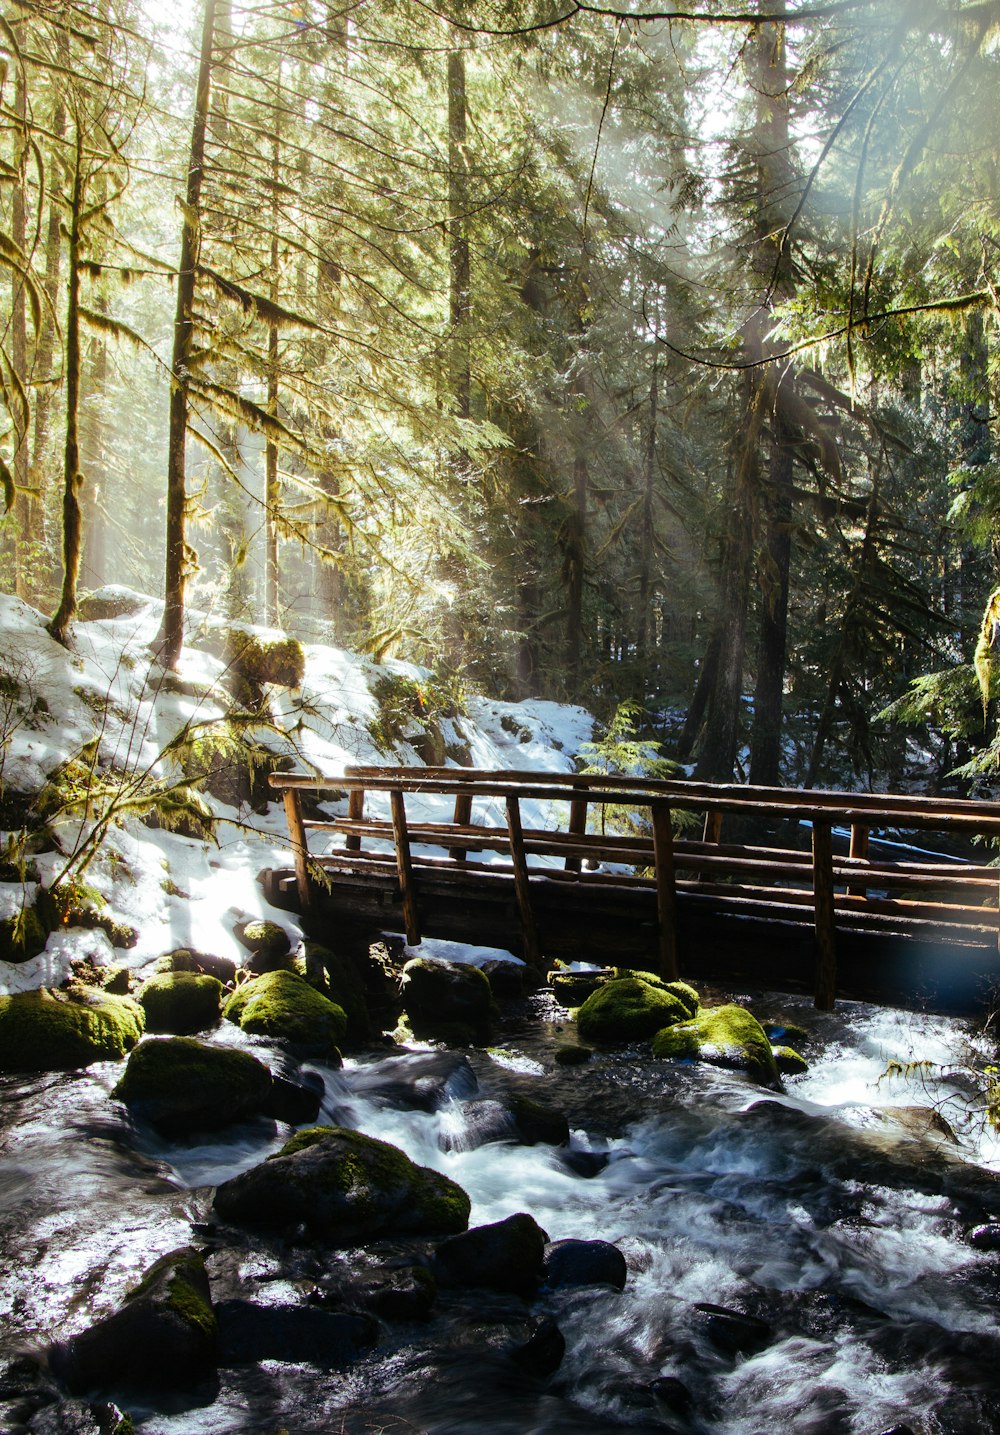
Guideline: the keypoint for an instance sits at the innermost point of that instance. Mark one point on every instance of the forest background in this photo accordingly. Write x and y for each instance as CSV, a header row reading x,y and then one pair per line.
x,y
607,353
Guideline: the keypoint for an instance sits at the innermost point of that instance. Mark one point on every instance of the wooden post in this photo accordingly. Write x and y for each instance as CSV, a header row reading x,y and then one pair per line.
x,y
577,825
355,811
859,848
404,867
666,891
826,954
713,827
529,932
300,847
462,817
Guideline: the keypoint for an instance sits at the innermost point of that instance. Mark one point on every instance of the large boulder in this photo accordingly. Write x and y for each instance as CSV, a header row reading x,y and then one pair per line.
x,y
163,1337
283,1006
186,959
344,1188
506,1255
178,1084
338,978
630,1008
584,1263
268,943
181,1002
56,1030
726,1036
439,996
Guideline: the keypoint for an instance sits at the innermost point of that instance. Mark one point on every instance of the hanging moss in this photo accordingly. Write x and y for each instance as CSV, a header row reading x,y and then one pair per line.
x,y
49,1030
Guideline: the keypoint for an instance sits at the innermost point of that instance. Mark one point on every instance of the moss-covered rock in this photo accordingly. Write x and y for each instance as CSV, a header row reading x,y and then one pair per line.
x,y
181,1002
572,1053
163,1337
788,1061
22,935
337,977
344,1188
267,942
629,1009
439,996
178,1084
49,1030
186,959
285,1007
726,1036
571,989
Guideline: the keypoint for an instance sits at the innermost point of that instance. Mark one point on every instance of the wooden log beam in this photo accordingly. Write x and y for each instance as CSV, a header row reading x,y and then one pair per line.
x,y
462,817
577,827
300,849
826,953
858,853
404,868
355,813
522,887
666,890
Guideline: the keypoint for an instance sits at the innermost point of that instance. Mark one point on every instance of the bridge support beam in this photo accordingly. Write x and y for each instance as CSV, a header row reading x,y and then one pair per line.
x,y
826,952
522,886
666,889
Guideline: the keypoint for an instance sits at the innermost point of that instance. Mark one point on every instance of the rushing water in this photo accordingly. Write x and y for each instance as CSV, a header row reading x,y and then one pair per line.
x,y
832,1212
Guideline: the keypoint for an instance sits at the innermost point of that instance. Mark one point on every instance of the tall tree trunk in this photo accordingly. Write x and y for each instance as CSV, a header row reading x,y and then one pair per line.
x,y
171,638
272,492
765,735
574,564
95,457
72,477
20,410
459,267
646,540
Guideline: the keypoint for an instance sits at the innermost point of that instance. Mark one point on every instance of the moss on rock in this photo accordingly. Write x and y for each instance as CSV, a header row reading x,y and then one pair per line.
x,y
181,1002
178,1084
341,983
628,1009
571,1053
49,1030
345,1188
440,996
788,1061
726,1036
22,935
268,944
284,1006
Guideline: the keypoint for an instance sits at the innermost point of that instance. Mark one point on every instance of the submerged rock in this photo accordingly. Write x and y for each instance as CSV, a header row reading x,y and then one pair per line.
x,y
630,1009
572,1053
162,1338
179,1084
584,1263
731,1331
438,995
181,1002
345,1188
537,1124
284,1006
505,1255
57,1030
420,1081
543,1351
727,1036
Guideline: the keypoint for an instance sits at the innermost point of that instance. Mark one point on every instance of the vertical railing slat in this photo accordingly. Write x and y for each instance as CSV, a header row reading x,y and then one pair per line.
x,y
522,886
666,889
300,847
859,849
826,953
355,811
404,867
577,826
461,817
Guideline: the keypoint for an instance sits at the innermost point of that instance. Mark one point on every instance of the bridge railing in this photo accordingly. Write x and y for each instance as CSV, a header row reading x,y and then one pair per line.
x,y
914,894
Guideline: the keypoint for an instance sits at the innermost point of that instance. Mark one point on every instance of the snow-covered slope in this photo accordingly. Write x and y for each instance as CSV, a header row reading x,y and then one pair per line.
x,y
175,890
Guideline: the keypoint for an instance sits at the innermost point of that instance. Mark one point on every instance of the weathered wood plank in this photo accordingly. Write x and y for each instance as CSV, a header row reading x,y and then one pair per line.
x,y
355,812
577,827
826,954
461,819
522,886
300,849
404,867
666,892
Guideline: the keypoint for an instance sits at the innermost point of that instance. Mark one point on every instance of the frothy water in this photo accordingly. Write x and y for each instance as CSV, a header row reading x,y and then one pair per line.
x,y
833,1217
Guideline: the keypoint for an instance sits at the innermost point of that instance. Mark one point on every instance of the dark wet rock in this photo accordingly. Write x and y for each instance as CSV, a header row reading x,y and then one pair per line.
x,y
731,1331
505,1256
186,959
295,1334
418,1081
344,1188
899,1430
509,979
268,943
178,1084
77,1417
727,1036
785,1033
788,1061
293,1101
537,1124
584,1263
629,1009
162,1338
439,995
58,1030
483,1122
586,1164
284,1007
398,1293
572,1053
571,989
986,1237
338,977
672,1394
181,1002
543,1351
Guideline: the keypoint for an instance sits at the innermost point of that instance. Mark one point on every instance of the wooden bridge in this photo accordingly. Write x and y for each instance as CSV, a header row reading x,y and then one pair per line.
x,y
793,889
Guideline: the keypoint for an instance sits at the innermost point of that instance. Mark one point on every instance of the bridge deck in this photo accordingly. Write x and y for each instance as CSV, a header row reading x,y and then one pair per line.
x,y
593,867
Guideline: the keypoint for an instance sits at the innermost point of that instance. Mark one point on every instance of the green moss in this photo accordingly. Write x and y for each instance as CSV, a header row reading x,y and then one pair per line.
x,y
181,1276
571,1053
22,935
283,1005
178,1083
683,991
49,1030
343,985
182,1002
281,661
628,1009
788,1061
726,1036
